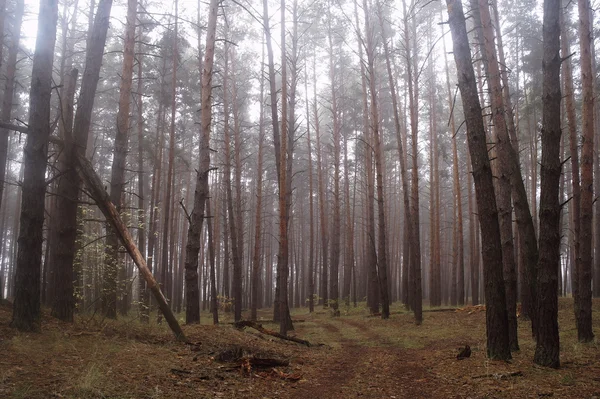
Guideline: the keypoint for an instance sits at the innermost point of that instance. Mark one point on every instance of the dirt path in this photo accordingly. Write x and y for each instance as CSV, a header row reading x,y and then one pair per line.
x,y
354,369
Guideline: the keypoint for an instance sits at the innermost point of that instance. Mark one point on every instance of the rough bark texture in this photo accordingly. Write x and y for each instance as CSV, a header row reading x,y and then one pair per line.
x,y
192,297
285,322
26,306
496,315
117,179
507,167
547,347
415,295
63,253
584,313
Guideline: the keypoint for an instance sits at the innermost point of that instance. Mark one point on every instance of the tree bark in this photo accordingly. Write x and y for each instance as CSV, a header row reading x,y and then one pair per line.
x,y
547,347
63,253
496,315
336,220
117,180
9,86
507,167
415,250
192,297
26,306
584,313
256,254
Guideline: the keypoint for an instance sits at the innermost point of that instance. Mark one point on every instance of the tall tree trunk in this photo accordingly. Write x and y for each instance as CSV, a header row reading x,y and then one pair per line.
x,y
9,85
117,180
143,298
322,200
460,262
382,274
413,94
336,220
232,218
584,315
496,315
192,297
256,254
167,220
547,348
283,255
507,167
214,307
311,259
26,306
63,253
398,128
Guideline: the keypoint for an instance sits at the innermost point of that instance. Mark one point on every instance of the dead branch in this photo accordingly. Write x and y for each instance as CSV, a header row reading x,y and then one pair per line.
x,y
247,323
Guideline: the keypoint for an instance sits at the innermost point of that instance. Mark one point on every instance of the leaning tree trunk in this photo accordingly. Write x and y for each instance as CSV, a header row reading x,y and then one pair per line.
x,y
496,315
547,347
26,306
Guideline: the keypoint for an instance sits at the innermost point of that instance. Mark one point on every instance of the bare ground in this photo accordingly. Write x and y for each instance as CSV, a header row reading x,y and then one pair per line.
x,y
357,357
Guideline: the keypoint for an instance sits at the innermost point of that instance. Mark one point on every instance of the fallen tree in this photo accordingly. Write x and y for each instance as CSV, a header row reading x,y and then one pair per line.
x,y
97,192
247,323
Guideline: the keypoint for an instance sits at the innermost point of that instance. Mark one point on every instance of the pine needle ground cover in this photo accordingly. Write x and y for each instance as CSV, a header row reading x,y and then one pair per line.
x,y
352,356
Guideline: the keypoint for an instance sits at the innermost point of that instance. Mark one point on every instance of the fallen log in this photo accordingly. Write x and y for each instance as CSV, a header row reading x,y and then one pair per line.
x,y
500,376
102,199
247,323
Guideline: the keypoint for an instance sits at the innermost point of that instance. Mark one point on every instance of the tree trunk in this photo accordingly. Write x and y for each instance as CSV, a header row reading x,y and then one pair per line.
x,y
117,181
64,251
547,348
9,86
102,199
322,200
26,306
496,315
256,254
415,251
192,297
507,167
143,298
584,312
285,323
311,259
460,263
336,220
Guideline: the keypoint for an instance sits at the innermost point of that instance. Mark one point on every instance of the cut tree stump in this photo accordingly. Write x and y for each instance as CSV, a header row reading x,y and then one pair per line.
x,y
247,323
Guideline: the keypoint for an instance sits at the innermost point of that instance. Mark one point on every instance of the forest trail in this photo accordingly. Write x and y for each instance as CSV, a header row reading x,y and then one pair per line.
x,y
351,356
376,370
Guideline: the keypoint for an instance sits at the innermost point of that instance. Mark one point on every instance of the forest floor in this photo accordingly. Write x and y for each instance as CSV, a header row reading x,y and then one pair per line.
x,y
352,356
